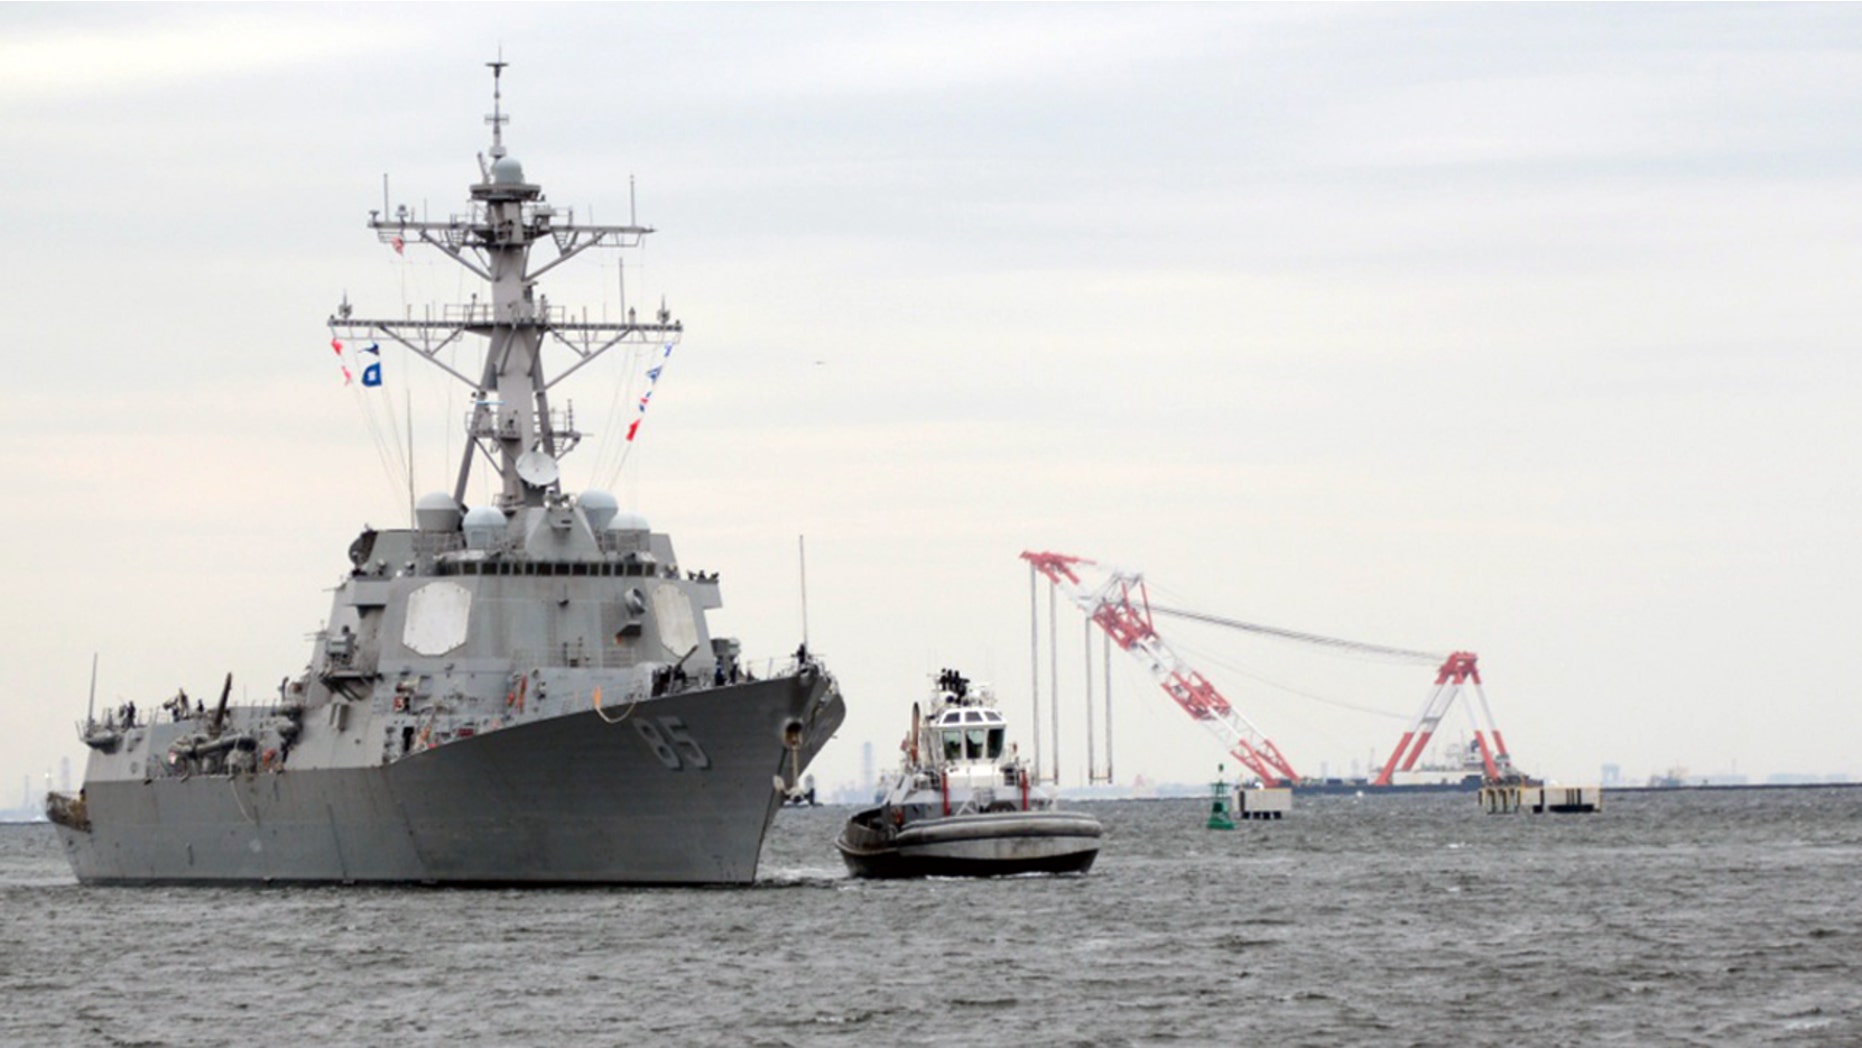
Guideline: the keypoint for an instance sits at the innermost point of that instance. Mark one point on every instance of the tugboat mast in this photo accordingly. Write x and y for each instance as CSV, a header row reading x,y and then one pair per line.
x,y
511,423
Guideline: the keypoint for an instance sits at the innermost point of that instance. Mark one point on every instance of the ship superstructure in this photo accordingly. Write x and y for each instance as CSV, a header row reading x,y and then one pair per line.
x,y
522,691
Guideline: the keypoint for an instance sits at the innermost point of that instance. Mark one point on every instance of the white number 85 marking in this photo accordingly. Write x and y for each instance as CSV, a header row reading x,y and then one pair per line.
x,y
670,741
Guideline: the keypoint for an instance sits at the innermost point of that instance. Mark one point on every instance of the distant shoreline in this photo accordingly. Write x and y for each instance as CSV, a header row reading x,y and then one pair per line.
x,y
1738,786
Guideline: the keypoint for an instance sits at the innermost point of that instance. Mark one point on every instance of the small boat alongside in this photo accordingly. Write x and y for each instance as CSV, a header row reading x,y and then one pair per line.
x,y
963,804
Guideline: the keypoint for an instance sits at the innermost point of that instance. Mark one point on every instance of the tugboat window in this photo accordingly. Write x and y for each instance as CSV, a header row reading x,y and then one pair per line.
x,y
995,743
974,743
953,745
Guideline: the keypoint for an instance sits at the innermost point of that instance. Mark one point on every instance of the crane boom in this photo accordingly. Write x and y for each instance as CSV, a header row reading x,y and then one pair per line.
x,y
1120,606
1458,671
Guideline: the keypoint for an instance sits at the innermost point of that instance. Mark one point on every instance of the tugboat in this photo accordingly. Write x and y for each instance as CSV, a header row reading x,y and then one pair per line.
x,y
963,805
524,691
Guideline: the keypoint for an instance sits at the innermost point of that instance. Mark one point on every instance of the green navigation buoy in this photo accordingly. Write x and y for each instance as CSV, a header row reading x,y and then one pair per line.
x,y
1218,806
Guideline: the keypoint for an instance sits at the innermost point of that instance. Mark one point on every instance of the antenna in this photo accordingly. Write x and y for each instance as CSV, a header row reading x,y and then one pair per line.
x,y
801,550
407,394
497,118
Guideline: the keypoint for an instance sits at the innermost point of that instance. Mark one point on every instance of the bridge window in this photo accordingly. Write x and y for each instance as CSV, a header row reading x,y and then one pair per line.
x,y
973,743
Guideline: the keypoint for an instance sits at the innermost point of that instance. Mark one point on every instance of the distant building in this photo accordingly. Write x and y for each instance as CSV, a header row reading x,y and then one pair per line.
x,y
1612,775
1672,777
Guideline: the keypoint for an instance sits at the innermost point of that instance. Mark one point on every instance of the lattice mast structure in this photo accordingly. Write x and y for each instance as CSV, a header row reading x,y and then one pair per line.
x,y
1121,607
511,423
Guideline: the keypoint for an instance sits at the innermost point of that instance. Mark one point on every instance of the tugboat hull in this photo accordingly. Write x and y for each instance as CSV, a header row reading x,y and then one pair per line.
x,y
983,845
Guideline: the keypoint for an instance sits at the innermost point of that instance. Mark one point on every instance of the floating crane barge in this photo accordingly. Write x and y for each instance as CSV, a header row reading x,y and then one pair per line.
x,y
1120,605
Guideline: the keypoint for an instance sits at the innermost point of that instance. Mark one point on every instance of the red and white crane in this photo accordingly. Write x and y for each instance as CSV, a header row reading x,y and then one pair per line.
x,y
1458,671
1128,622
1121,607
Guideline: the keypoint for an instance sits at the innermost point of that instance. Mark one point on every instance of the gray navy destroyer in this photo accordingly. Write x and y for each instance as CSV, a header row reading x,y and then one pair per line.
x,y
522,692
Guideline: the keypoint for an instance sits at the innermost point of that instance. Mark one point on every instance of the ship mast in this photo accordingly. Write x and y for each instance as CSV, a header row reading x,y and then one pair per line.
x,y
511,424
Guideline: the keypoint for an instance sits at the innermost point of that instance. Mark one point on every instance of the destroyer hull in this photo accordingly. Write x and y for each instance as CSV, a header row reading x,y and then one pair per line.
x,y
983,845
673,790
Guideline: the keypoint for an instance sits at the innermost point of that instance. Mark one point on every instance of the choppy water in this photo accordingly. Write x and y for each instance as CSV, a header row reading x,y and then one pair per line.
x,y
1701,918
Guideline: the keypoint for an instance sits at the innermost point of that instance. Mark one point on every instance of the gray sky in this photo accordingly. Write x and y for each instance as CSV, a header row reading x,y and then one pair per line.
x,y
1527,330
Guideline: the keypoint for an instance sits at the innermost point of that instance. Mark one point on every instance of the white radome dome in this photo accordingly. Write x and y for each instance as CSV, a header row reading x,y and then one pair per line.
x,y
483,526
506,171
436,511
599,506
627,520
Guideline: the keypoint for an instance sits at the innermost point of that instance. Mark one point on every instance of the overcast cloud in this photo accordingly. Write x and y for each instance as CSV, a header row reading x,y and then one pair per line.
x,y
1522,329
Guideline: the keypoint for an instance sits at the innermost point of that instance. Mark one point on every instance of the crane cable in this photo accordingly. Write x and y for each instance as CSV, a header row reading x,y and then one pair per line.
x,y
1204,655
1409,655
1406,654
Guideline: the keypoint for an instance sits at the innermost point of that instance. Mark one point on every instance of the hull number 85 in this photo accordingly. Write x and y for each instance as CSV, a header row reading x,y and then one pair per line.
x,y
672,743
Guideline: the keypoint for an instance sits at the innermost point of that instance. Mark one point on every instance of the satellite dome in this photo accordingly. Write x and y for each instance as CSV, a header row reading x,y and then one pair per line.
x,y
483,525
600,507
436,511
506,171
628,521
